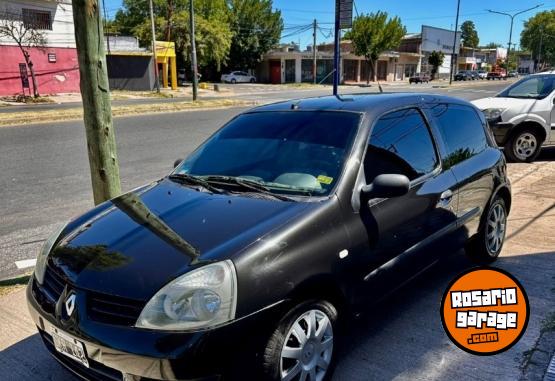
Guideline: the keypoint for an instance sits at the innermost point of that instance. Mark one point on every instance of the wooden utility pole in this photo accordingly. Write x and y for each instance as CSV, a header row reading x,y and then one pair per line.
x,y
314,67
193,49
454,54
153,31
95,92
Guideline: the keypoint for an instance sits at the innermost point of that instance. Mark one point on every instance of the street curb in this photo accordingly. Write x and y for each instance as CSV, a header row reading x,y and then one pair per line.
x,y
539,360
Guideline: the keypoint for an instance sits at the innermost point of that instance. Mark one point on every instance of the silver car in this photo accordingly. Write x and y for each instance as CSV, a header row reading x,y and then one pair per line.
x,y
238,77
522,117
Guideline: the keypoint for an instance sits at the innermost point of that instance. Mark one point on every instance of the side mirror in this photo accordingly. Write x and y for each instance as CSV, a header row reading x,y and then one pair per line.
x,y
177,162
386,186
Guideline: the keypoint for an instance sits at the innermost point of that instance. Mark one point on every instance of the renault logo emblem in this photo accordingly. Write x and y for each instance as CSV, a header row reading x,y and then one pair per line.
x,y
70,304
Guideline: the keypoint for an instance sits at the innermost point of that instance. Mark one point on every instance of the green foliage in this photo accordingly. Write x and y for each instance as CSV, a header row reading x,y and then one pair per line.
x,y
234,33
256,28
436,60
375,33
469,35
540,28
492,45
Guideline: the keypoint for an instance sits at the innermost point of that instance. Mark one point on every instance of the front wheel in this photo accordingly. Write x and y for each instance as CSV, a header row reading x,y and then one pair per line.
x,y
301,348
523,146
487,245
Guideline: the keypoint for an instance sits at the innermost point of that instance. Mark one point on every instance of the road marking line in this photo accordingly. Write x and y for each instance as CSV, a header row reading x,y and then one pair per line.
x,y
26,263
550,374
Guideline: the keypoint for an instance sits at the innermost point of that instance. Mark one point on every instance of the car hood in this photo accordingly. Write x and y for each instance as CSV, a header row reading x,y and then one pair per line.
x,y
140,241
516,105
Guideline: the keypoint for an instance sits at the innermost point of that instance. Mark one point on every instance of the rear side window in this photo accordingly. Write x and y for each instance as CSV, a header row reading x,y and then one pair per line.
x,y
461,130
400,143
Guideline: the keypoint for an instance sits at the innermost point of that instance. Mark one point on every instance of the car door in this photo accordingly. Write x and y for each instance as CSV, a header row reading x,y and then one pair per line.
x,y
400,236
470,155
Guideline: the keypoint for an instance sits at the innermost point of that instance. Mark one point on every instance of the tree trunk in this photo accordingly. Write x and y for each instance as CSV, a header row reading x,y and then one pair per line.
x,y
34,79
368,71
97,109
375,70
29,63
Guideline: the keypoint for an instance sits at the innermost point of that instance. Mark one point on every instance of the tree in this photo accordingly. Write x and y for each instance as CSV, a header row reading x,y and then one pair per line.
x,y
436,60
373,34
26,36
492,45
469,35
256,27
212,27
538,36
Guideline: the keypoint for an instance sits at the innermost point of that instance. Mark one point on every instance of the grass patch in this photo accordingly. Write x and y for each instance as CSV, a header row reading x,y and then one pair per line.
x,y
122,94
26,99
19,118
10,285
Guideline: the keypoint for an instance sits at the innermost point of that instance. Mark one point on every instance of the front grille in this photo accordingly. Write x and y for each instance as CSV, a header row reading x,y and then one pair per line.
x,y
53,284
102,308
96,370
112,309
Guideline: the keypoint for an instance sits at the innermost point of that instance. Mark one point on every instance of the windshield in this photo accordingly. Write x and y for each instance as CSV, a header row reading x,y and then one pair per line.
x,y
293,152
534,87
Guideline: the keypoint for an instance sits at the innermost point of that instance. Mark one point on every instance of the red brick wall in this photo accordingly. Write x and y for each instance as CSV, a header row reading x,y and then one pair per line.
x,y
52,78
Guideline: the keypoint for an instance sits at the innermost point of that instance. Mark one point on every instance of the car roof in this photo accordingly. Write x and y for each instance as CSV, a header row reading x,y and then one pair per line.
x,y
374,104
550,72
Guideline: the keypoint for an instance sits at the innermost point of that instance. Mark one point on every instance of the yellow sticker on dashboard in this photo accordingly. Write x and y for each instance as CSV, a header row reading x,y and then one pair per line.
x,y
325,179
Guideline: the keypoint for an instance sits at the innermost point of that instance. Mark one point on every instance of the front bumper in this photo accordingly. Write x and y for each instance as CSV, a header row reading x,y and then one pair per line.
x,y
500,131
131,354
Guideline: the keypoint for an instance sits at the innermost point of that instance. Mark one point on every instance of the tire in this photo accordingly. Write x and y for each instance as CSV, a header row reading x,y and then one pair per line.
x,y
523,146
252,80
488,243
233,81
275,366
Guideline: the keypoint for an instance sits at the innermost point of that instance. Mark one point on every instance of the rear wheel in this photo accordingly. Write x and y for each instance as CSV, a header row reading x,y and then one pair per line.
x,y
523,146
301,348
253,80
486,246
233,81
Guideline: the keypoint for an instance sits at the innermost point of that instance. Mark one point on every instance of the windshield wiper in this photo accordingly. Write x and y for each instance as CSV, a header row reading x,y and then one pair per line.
x,y
185,178
245,184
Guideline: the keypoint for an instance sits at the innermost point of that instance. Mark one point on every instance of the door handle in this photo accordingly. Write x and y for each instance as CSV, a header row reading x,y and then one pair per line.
x,y
445,198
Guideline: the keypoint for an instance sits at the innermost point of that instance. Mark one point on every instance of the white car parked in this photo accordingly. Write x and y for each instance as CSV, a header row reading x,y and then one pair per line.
x,y
522,117
238,77
482,74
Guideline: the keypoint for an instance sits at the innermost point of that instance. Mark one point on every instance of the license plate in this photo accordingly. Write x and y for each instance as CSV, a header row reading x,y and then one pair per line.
x,y
69,346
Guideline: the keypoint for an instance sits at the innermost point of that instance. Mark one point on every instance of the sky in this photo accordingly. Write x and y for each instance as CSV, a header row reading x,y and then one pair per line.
x,y
413,14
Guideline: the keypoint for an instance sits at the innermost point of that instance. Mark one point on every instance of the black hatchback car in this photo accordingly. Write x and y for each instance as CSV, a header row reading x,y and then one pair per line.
x,y
246,255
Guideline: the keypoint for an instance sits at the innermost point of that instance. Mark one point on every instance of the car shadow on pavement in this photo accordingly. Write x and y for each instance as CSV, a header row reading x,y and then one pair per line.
x,y
547,154
29,360
402,338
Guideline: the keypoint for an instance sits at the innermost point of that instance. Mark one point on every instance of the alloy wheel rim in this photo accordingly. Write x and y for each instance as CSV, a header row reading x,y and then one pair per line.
x,y
525,146
308,347
495,233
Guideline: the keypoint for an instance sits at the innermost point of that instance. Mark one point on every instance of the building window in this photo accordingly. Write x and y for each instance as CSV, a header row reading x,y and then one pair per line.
x,y
34,19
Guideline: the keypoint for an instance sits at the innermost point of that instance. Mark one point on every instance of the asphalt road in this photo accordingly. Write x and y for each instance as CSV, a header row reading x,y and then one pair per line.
x,y
44,173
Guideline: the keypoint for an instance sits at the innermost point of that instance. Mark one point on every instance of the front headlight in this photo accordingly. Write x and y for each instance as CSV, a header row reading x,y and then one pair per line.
x,y
203,298
40,266
493,113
